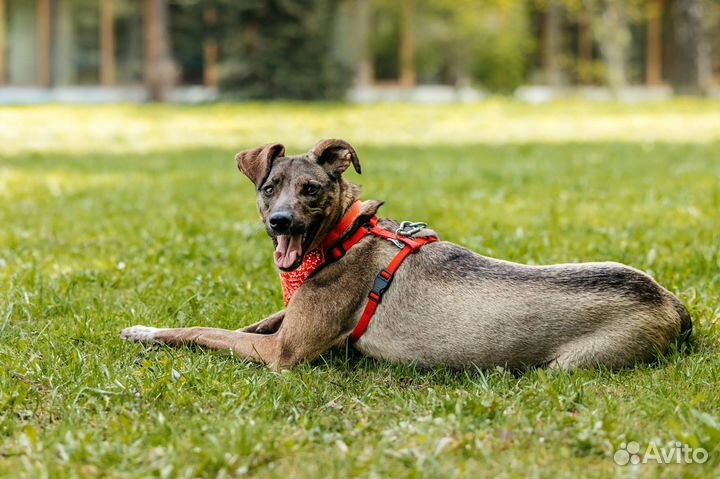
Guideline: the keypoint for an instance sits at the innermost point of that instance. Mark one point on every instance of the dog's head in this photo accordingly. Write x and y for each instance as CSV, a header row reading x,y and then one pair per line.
x,y
300,198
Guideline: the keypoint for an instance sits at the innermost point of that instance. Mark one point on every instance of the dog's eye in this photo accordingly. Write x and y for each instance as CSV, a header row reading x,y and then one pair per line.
x,y
311,190
268,190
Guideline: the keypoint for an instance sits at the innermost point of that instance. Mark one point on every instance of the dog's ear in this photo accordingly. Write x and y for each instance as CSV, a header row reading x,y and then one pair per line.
x,y
256,163
335,156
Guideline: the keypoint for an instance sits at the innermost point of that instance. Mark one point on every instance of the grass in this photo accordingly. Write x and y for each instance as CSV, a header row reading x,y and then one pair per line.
x,y
136,215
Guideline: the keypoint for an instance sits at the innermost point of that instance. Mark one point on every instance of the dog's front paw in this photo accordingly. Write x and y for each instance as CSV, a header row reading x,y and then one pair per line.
x,y
139,334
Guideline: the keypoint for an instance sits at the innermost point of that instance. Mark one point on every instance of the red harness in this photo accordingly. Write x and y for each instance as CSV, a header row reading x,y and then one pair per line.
x,y
332,250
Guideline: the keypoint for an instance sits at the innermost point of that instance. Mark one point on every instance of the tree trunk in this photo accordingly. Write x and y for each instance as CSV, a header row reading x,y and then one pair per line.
x,y
407,44
361,43
690,70
107,43
44,54
653,64
613,36
2,42
585,49
64,70
159,67
551,43
210,49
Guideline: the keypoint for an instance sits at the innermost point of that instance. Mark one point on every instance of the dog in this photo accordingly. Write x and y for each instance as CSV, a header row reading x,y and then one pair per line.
x,y
443,304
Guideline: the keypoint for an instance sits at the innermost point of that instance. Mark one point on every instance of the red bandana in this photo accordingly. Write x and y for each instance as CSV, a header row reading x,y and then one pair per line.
x,y
315,258
292,280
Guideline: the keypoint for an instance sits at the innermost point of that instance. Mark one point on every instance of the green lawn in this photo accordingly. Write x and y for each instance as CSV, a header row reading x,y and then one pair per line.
x,y
127,215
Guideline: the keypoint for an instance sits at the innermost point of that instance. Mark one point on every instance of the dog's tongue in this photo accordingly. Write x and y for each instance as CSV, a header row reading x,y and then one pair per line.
x,y
289,249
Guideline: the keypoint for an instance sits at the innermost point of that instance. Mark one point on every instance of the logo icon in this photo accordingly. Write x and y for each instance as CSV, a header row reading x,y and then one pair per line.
x,y
674,453
627,454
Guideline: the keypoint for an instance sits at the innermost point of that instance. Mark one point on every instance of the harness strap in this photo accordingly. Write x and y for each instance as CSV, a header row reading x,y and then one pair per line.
x,y
337,251
385,277
345,222
333,252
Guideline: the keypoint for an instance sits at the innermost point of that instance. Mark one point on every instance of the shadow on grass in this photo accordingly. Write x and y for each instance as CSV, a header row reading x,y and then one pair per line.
x,y
354,367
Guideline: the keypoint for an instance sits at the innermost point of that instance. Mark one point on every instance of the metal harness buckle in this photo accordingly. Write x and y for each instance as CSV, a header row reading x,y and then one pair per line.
x,y
407,229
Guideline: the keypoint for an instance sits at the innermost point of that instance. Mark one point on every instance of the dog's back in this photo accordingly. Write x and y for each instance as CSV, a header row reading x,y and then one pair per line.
x,y
451,306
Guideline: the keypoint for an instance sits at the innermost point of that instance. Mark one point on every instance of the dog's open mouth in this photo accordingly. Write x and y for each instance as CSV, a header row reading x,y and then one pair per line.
x,y
288,251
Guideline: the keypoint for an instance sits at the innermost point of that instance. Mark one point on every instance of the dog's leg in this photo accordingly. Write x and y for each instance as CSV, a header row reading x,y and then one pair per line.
x,y
300,339
612,350
147,334
268,325
255,347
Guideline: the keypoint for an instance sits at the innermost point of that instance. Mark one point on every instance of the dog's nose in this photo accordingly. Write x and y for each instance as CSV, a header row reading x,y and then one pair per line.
x,y
280,222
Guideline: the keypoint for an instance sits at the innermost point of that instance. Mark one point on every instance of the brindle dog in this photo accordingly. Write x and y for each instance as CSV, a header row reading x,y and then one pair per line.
x,y
447,305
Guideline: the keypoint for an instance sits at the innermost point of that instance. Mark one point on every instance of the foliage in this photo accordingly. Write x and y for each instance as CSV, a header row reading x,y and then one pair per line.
x,y
273,48
137,227
459,42
305,49
500,56
384,39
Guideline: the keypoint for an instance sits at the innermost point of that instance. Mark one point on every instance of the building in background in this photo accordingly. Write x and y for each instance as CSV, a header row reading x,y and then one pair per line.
x,y
110,50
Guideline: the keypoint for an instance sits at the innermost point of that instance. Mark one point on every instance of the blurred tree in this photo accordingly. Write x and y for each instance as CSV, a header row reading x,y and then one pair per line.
x,y
407,44
552,43
610,24
307,49
189,32
501,53
385,38
689,69
361,42
210,47
653,69
466,41
159,67
107,43
612,32
2,42
585,70
281,49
